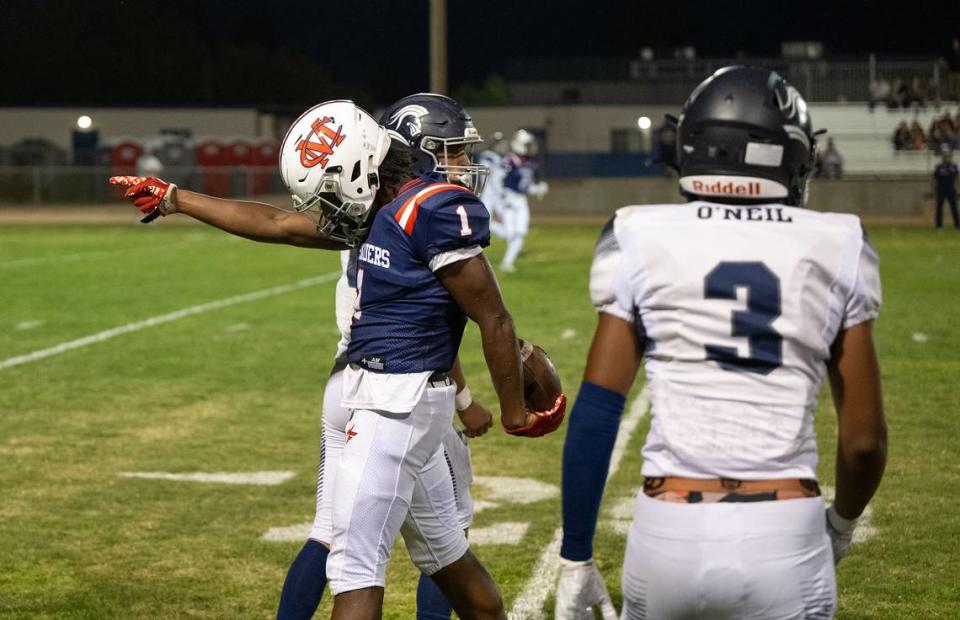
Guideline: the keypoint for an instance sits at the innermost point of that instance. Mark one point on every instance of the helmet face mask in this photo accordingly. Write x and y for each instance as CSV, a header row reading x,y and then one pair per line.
x,y
328,161
437,130
341,219
745,135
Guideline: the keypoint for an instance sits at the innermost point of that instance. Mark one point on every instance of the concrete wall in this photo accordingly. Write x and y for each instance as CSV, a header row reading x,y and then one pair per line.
x,y
571,128
889,197
863,138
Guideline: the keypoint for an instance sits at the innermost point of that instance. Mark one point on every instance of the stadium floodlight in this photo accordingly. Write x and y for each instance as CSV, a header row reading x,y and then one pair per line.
x,y
644,122
84,122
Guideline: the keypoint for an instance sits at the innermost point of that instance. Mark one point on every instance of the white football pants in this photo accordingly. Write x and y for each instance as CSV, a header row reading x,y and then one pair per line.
x,y
332,440
393,475
492,199
761,560
516,221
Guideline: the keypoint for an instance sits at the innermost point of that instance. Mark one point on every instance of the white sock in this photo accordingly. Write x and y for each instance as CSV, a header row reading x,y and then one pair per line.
x,y
514,245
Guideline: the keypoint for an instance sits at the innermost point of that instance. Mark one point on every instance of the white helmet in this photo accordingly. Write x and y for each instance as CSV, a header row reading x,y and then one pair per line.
x,y
523,143
329,160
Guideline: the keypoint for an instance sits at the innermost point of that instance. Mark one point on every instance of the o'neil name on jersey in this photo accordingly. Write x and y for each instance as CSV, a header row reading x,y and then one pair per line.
x,y
746,214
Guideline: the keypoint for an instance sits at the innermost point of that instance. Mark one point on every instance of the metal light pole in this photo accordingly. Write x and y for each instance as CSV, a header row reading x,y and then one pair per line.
x,y
438,46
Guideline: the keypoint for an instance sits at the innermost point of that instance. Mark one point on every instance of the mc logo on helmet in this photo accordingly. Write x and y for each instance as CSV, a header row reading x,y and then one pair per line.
x,y
317,147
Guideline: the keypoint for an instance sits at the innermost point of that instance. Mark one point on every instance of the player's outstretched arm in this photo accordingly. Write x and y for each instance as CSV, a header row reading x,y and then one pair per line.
x,y
475,417
474,287
255,220
862,430
591,432
252,220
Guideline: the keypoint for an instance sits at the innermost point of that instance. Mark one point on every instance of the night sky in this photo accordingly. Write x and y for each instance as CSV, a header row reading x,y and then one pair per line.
x,y
113,52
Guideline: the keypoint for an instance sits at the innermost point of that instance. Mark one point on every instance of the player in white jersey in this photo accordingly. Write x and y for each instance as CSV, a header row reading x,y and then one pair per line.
x,y
492,195
521,179
739,303
155,197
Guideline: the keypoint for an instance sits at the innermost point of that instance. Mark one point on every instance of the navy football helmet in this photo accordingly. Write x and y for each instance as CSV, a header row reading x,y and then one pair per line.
x,y
437,130
744,134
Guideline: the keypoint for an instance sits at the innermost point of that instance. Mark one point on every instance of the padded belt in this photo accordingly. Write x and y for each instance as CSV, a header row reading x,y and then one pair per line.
x,y
439,379
657,486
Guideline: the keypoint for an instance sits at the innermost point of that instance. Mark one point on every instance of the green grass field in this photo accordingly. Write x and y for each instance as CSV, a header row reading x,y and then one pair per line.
x,y
237,389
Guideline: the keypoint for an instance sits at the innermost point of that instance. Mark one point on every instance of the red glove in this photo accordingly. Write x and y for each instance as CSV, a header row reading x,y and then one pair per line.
x,y
150,195
544,421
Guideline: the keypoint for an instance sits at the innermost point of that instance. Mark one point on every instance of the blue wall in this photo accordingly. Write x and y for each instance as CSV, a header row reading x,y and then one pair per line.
x,y
568,165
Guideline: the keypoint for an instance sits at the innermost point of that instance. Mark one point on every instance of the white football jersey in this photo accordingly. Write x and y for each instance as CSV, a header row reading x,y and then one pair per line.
x,y
346,297
738,307
493,188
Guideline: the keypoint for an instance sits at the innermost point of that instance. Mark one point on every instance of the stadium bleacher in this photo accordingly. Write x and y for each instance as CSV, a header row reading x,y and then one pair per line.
x,y
864,137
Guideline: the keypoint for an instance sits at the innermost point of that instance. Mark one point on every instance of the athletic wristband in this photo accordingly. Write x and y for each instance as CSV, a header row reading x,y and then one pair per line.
x,y
463,399
839,523
168,206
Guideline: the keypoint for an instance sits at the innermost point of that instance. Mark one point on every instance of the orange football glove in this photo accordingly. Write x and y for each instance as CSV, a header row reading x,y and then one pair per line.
x,y
152,196
544,422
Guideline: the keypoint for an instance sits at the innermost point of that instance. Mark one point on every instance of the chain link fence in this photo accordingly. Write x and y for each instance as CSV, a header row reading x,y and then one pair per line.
x,y
88,184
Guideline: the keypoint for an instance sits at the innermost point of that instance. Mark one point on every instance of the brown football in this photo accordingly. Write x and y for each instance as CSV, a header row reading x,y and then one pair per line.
x,y
541,383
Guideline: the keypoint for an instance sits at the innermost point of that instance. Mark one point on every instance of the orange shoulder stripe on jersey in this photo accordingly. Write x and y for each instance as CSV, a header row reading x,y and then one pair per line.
x,y
406,215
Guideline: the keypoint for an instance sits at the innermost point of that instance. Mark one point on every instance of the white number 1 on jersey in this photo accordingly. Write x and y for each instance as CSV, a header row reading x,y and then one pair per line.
x,y
356,304
464,222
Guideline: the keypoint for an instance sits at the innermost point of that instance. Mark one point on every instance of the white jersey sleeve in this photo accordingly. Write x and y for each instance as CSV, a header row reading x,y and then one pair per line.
x,y
604,273
864,302
346,297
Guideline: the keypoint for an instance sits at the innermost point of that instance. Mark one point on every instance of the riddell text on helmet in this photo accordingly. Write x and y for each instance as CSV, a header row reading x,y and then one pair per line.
x,y
751,188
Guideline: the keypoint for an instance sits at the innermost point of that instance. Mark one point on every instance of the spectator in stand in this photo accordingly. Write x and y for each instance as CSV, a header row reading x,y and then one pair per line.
x,y
900,95
901,137
830,161
942,133
933,93
918,140
915,97
953,62
945,187
934,135
879,92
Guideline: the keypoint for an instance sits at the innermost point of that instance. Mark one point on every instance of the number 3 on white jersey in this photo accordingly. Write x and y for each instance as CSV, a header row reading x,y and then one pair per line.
x,y
464,222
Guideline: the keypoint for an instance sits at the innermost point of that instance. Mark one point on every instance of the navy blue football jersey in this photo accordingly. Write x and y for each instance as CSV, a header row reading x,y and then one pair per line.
x,y
406,321
521,173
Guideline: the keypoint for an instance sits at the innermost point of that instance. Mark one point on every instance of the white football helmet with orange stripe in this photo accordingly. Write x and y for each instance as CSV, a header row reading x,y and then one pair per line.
x,y
329,160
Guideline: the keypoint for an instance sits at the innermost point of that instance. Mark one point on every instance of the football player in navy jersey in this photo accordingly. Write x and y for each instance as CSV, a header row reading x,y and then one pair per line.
x,y
421,273
438,133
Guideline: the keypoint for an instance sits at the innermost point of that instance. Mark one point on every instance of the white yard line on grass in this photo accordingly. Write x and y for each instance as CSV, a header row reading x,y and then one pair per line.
x,y
506,533
529,603
25,325
263,478
165,318
33,261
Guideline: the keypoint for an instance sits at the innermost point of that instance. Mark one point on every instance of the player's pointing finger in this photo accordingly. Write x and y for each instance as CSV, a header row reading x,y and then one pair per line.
x,y
126,181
